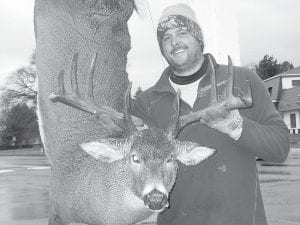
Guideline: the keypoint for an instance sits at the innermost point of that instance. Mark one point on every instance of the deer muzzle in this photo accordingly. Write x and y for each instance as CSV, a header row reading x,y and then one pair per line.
x,y
156,200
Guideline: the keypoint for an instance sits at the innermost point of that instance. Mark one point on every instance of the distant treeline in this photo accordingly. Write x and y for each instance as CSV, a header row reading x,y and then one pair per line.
x,y
12,147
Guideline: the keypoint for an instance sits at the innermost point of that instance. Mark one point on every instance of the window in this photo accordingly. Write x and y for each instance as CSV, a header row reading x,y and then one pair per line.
x,y
293,120
295,83
270,90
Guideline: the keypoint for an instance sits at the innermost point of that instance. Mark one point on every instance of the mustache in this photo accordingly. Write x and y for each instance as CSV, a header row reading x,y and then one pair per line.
x,y
177,47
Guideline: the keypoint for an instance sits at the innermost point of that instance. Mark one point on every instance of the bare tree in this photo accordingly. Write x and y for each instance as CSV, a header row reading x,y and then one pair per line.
x,y
20,86
18,106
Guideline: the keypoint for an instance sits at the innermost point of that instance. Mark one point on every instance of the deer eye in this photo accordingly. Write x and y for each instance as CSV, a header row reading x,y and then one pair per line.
x,y
171,159
135,159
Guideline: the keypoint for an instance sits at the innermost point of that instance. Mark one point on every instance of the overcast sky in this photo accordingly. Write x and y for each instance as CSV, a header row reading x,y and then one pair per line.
x,y
265,27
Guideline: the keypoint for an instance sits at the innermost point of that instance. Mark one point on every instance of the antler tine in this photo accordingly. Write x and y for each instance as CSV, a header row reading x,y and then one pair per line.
x,y
243,100
229,89
61,84
229,102
90,83
127,99
174,128
214,94
129,125
74,81
247,99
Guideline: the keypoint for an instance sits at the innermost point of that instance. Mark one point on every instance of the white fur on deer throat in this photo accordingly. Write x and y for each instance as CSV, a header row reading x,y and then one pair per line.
x,y
152,186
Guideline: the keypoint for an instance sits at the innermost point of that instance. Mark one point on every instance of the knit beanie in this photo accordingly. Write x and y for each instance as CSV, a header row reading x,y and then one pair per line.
x,y
179,16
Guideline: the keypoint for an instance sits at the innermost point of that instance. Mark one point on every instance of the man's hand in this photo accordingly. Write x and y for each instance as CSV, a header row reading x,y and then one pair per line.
x,y
227,122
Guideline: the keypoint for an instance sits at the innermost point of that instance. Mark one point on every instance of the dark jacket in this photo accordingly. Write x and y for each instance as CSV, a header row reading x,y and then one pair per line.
x,y
223,190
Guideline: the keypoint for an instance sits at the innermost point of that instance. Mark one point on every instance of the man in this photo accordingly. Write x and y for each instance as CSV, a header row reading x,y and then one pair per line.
x,y
224,190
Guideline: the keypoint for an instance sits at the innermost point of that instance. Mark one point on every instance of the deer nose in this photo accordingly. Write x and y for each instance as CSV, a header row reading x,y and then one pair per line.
x,y
156,200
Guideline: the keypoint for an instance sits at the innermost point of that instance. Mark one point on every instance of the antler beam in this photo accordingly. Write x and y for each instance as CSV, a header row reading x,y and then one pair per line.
x,y
75,100
229,102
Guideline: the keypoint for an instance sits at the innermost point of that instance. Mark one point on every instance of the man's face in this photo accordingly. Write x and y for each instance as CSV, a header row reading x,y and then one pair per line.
x,y
181,49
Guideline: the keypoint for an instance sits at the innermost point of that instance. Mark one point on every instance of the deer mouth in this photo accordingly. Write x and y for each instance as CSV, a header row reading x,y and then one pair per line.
x,y
156,200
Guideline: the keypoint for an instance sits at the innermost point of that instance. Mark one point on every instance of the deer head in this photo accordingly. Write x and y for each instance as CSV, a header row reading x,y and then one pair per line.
x,y
149,155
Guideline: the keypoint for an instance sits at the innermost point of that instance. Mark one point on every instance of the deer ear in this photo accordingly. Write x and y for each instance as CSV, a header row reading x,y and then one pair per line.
x,y
108,150
192,154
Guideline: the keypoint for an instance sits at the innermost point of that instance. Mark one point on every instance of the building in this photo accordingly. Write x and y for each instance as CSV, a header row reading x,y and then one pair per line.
x,y
284,90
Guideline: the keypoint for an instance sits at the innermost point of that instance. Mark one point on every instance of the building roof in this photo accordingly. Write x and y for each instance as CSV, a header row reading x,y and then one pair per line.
x,y
293,72
290,99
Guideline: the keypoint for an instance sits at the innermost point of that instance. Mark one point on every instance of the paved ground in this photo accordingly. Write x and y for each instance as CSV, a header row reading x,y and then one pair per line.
x,y
24,182
280,185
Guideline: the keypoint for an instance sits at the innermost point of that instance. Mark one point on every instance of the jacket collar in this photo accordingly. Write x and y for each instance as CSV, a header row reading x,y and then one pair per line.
x,y
164,85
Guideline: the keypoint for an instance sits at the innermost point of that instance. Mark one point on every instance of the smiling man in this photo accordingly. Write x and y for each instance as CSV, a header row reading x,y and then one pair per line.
x,y
225,189
181,50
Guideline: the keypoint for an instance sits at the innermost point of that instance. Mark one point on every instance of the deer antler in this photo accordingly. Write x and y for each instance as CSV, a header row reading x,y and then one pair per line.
x,y
229,102
130,127
86,104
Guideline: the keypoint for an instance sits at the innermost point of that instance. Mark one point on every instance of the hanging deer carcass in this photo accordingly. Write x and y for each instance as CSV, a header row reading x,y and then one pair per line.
x,y
133,175
63,28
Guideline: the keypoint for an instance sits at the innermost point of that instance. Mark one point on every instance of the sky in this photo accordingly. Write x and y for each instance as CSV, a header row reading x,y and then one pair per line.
x,y
265,27
16,35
